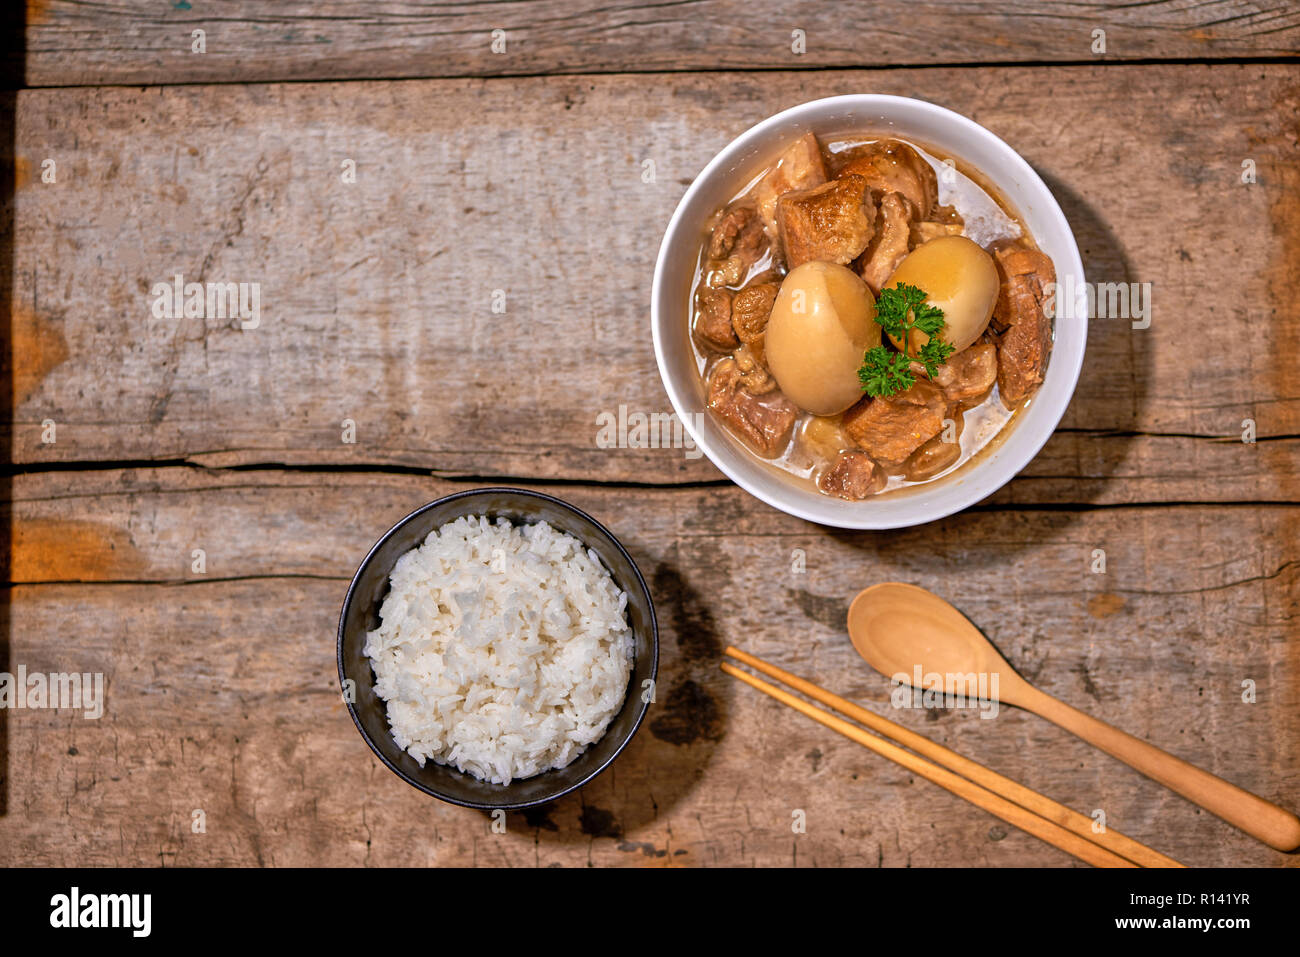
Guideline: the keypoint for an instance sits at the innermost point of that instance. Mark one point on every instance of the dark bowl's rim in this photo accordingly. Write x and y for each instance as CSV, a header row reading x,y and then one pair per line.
x,y
654,646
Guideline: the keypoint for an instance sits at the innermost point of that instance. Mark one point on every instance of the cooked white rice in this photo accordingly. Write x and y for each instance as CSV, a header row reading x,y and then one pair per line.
x,y
503,650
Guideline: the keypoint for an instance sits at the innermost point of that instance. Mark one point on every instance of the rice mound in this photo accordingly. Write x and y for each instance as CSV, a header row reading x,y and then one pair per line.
x,y
503,651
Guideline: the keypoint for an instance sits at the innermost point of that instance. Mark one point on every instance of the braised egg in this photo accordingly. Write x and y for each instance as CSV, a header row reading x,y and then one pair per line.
x,y
822,324
958,277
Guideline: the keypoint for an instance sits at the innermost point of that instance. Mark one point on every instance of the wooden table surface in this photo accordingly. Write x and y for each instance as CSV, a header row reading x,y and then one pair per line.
x,y
521,171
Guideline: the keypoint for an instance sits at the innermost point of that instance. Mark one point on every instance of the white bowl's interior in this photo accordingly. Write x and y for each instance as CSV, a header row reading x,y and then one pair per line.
x,y
949,134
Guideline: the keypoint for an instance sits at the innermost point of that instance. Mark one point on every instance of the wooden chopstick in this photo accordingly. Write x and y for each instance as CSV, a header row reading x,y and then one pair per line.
x,y
1040,827
1013,814
1027,798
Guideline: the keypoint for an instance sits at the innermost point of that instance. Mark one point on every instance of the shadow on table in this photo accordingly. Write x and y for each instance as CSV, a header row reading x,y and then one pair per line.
x,y
12,72
1114,390
674,744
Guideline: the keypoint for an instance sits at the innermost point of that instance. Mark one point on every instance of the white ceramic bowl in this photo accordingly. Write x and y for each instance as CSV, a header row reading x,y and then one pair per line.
x,y
948,134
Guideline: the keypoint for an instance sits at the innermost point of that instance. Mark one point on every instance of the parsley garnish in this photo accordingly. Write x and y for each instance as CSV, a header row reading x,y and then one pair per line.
x,y
899,310
885,372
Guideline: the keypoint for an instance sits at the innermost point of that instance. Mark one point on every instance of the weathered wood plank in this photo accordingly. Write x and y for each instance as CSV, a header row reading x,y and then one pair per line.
x,y
222,693
377,296
133,42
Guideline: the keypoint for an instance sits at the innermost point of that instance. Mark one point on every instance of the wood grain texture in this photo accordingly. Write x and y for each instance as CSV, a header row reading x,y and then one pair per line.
x,y
134,42
222,694
376,307
377,297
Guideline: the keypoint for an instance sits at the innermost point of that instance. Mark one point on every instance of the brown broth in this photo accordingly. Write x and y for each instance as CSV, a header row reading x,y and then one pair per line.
x,y
987,216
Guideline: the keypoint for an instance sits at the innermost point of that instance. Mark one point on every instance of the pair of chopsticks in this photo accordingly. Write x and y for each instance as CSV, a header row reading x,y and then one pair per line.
x,y
1014,803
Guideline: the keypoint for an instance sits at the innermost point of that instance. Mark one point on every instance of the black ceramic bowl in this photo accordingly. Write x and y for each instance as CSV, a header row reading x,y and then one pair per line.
x,y
361,614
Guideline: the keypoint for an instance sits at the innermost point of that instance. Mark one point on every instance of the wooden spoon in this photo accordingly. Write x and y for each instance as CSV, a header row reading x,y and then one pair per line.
x,y
898,627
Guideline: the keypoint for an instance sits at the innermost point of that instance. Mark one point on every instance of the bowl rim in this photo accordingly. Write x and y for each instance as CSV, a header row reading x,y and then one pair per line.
x,y
654,649
968,490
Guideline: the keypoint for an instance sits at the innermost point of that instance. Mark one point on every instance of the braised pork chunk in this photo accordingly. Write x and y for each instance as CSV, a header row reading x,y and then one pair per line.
x,y
890,244
969,373
830,223
713,320
851,328
890,166
800,167
765,422
890,429
1025,341
853,477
